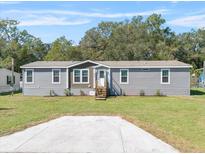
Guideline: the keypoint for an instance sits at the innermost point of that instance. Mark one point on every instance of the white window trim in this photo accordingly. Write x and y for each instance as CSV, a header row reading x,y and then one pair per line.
x,y
127,76
53,76
74,76
32,76
168,76
81,76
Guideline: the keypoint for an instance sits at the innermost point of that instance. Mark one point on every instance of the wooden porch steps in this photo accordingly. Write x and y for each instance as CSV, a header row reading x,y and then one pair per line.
x,y
101,93
100,98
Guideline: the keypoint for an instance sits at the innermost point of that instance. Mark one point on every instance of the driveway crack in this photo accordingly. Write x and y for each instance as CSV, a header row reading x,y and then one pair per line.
x,y
123,146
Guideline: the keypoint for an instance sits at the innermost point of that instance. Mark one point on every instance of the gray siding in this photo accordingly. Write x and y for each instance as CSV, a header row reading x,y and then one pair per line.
x,y
43,83
3,81
150,82
82,91
203,84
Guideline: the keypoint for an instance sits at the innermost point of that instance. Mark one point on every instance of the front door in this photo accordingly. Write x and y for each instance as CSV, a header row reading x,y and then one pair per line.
x,y
101,78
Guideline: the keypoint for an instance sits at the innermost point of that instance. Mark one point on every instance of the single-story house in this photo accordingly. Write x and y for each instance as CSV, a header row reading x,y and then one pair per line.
x,y
201,79
40,78
6,80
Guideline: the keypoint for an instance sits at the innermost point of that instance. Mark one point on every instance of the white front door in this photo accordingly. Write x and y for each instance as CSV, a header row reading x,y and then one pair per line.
x,y
101,78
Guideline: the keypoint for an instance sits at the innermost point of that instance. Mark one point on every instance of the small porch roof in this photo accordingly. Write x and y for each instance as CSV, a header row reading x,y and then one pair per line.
x,y
89,61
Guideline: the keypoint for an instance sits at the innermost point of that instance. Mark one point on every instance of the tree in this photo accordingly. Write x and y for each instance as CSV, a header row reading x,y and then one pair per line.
x,y
94,44
136,39
18,44
191,48
62,49
8,30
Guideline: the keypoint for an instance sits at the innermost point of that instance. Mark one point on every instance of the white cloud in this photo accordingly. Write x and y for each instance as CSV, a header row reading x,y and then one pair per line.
x,y
99,9
51,21
9,2
88,14
197,21
65,17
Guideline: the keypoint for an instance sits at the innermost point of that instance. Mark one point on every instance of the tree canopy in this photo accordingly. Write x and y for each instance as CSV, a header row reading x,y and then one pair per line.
x,y
134,39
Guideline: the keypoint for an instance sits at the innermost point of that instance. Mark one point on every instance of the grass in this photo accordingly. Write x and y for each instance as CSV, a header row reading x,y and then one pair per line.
x,y
179,121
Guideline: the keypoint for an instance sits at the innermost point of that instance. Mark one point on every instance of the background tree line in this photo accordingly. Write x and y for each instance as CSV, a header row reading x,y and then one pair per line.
x,y
135,39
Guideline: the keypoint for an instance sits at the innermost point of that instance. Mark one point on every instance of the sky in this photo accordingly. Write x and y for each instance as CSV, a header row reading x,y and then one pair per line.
x,y
50,20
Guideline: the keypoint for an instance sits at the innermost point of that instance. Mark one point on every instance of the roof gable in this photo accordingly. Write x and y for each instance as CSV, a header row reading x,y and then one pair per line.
x,y
88,61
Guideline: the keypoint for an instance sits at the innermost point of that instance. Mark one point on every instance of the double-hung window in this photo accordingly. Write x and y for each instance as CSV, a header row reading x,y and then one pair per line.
x,y
165,76
124,76
29,75
76,76
56,76
80,76
85,76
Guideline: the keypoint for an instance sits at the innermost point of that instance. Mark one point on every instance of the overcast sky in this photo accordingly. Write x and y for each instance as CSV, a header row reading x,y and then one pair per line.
x,y
50,20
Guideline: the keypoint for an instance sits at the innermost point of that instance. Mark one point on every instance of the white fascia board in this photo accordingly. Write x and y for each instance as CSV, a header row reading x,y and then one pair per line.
x,y
100,65
86,61
154,67
43,67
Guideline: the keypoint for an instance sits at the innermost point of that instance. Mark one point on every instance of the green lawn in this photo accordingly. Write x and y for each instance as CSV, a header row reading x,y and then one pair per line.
x,y
180,121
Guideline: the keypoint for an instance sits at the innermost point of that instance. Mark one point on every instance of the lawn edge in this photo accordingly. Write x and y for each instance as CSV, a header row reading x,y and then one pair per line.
x,y
178,143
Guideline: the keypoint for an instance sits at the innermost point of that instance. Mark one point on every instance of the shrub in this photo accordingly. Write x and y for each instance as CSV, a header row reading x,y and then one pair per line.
x,y
142,93
52,93
82,93
158,93
67,92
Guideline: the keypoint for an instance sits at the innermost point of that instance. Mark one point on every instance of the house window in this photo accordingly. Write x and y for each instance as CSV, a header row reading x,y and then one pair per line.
x,y
29,76
77,76
9,80
124,76
165,76
84,75
56,76
81,76
101,74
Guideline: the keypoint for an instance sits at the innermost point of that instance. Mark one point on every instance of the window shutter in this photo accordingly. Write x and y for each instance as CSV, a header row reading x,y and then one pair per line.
x,y
13,79
7,79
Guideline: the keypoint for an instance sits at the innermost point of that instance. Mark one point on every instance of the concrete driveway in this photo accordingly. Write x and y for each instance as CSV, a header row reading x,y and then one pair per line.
x,y
84,134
